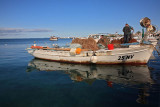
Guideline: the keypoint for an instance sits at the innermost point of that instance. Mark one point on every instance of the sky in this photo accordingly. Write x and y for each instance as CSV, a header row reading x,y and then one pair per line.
x,y
74,18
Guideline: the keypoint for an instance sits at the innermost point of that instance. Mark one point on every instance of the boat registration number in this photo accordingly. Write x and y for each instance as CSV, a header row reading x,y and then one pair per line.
x,y
125,57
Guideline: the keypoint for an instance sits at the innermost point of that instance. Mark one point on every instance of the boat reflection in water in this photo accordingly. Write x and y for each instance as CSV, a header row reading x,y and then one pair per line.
x,y
125,75
121,74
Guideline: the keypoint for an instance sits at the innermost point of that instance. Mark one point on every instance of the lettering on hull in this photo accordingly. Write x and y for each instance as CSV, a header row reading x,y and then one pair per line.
x,y
125,57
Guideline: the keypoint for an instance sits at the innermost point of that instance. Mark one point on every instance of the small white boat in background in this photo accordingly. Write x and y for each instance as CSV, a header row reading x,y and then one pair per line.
x,y
53,38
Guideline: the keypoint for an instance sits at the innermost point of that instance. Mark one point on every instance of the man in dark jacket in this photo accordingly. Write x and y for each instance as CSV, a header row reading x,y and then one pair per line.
x,y
127,33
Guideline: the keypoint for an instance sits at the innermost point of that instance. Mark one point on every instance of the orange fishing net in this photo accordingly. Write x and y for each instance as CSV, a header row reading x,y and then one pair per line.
x,y
117,42
89,43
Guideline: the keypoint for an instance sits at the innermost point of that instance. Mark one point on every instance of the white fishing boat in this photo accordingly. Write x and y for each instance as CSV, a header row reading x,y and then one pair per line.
x,y
53,38
134,54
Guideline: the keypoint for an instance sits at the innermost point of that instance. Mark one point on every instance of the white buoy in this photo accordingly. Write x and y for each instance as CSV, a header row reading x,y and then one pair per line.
x,y
94,59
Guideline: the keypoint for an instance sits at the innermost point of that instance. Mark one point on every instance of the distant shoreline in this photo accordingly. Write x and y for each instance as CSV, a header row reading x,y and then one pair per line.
x,y
24,38
31,38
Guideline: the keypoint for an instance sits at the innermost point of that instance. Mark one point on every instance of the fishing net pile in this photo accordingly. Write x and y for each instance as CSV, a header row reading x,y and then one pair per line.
x,y
121,41
89,43
104,41
117,42
132,41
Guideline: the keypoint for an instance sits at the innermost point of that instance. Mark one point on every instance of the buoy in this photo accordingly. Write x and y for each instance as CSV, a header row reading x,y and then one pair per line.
x,y
78,50
94,59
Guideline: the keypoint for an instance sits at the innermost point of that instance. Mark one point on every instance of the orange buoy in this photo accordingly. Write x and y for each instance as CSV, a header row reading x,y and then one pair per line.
x,y
78,50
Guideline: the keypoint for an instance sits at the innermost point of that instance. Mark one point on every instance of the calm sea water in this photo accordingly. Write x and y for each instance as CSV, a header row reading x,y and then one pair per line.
x,y
29,82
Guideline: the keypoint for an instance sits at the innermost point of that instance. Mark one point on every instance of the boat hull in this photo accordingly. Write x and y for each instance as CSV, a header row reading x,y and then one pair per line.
x,y
136,55
54,39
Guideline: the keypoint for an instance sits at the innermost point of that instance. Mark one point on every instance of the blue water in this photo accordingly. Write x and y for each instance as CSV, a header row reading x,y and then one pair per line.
x,y
29,82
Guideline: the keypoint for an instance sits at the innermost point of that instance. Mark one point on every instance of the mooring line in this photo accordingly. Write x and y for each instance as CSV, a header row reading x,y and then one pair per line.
x,y
157,51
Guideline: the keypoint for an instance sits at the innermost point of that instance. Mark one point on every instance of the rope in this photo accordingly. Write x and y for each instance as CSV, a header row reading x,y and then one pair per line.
x,y
157,51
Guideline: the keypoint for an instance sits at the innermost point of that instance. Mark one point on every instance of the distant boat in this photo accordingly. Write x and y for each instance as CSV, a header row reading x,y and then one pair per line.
x,y
53,38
